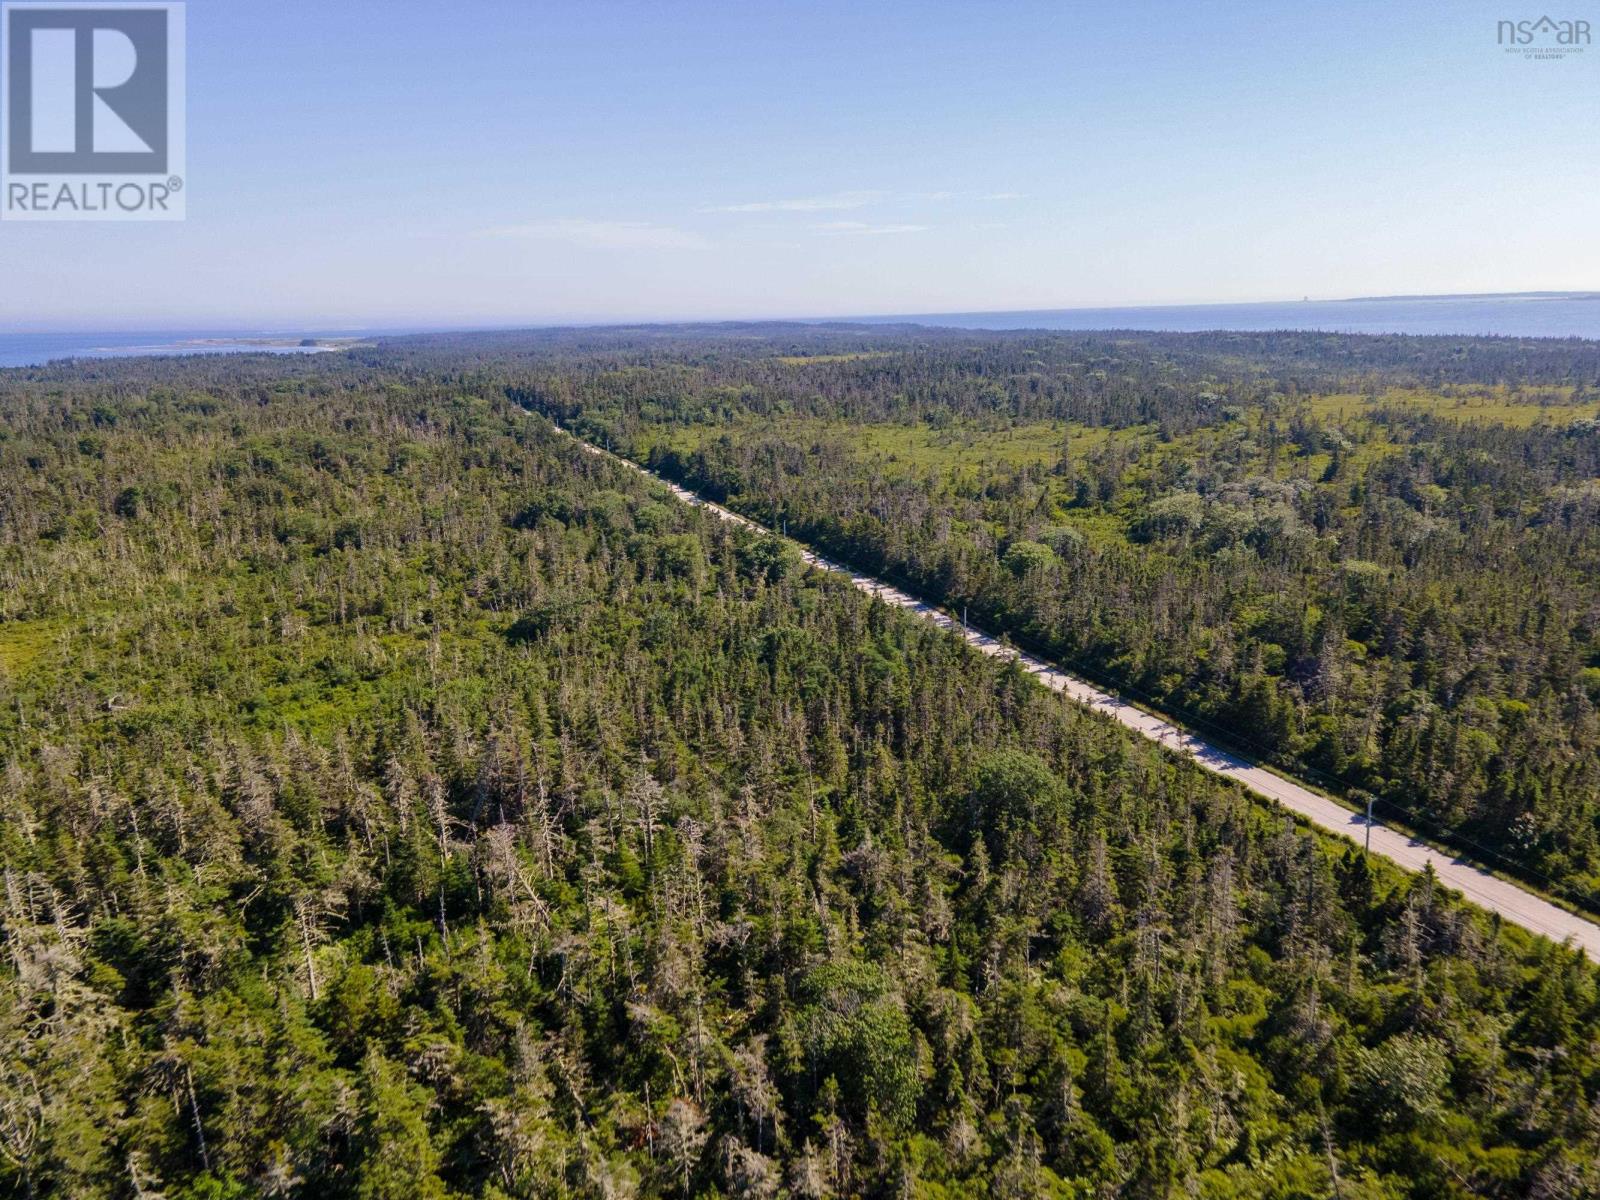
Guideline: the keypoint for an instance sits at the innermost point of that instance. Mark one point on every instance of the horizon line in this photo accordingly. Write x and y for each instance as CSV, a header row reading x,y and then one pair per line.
x,y
448,325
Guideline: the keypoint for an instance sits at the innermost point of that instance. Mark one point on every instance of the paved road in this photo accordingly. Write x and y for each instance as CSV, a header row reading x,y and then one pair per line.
x,y
1513,903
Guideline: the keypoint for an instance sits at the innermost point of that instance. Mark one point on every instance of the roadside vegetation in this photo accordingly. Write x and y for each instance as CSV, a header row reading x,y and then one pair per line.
x,y
1384,584
396,801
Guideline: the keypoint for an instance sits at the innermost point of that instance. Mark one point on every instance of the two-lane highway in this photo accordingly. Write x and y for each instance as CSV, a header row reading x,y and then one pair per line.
x,y
1513,903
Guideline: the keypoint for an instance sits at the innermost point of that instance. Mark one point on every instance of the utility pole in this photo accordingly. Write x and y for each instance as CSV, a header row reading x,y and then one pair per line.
x,y
1371,800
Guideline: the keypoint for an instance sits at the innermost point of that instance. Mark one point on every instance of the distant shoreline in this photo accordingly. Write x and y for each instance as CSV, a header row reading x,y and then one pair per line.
x,y
1445,296
305,343
1510,314
1559,315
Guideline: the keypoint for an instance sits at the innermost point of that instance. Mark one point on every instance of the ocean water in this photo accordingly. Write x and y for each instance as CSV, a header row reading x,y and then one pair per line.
x,y
35,349
1556,315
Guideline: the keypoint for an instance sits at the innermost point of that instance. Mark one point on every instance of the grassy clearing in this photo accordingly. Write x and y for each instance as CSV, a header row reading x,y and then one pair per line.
x,y
802,360
23,642
1519,408
912,447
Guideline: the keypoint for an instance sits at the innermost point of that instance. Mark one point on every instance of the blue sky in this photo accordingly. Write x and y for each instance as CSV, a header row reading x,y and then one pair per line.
x,y
485,162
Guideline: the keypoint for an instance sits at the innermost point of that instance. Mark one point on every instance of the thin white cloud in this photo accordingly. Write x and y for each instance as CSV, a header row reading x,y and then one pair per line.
x,y
605,235
842,201
832,202
863,228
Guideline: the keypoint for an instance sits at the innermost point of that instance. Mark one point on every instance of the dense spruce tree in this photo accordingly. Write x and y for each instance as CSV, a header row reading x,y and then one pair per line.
x,y
1370,559
398,800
